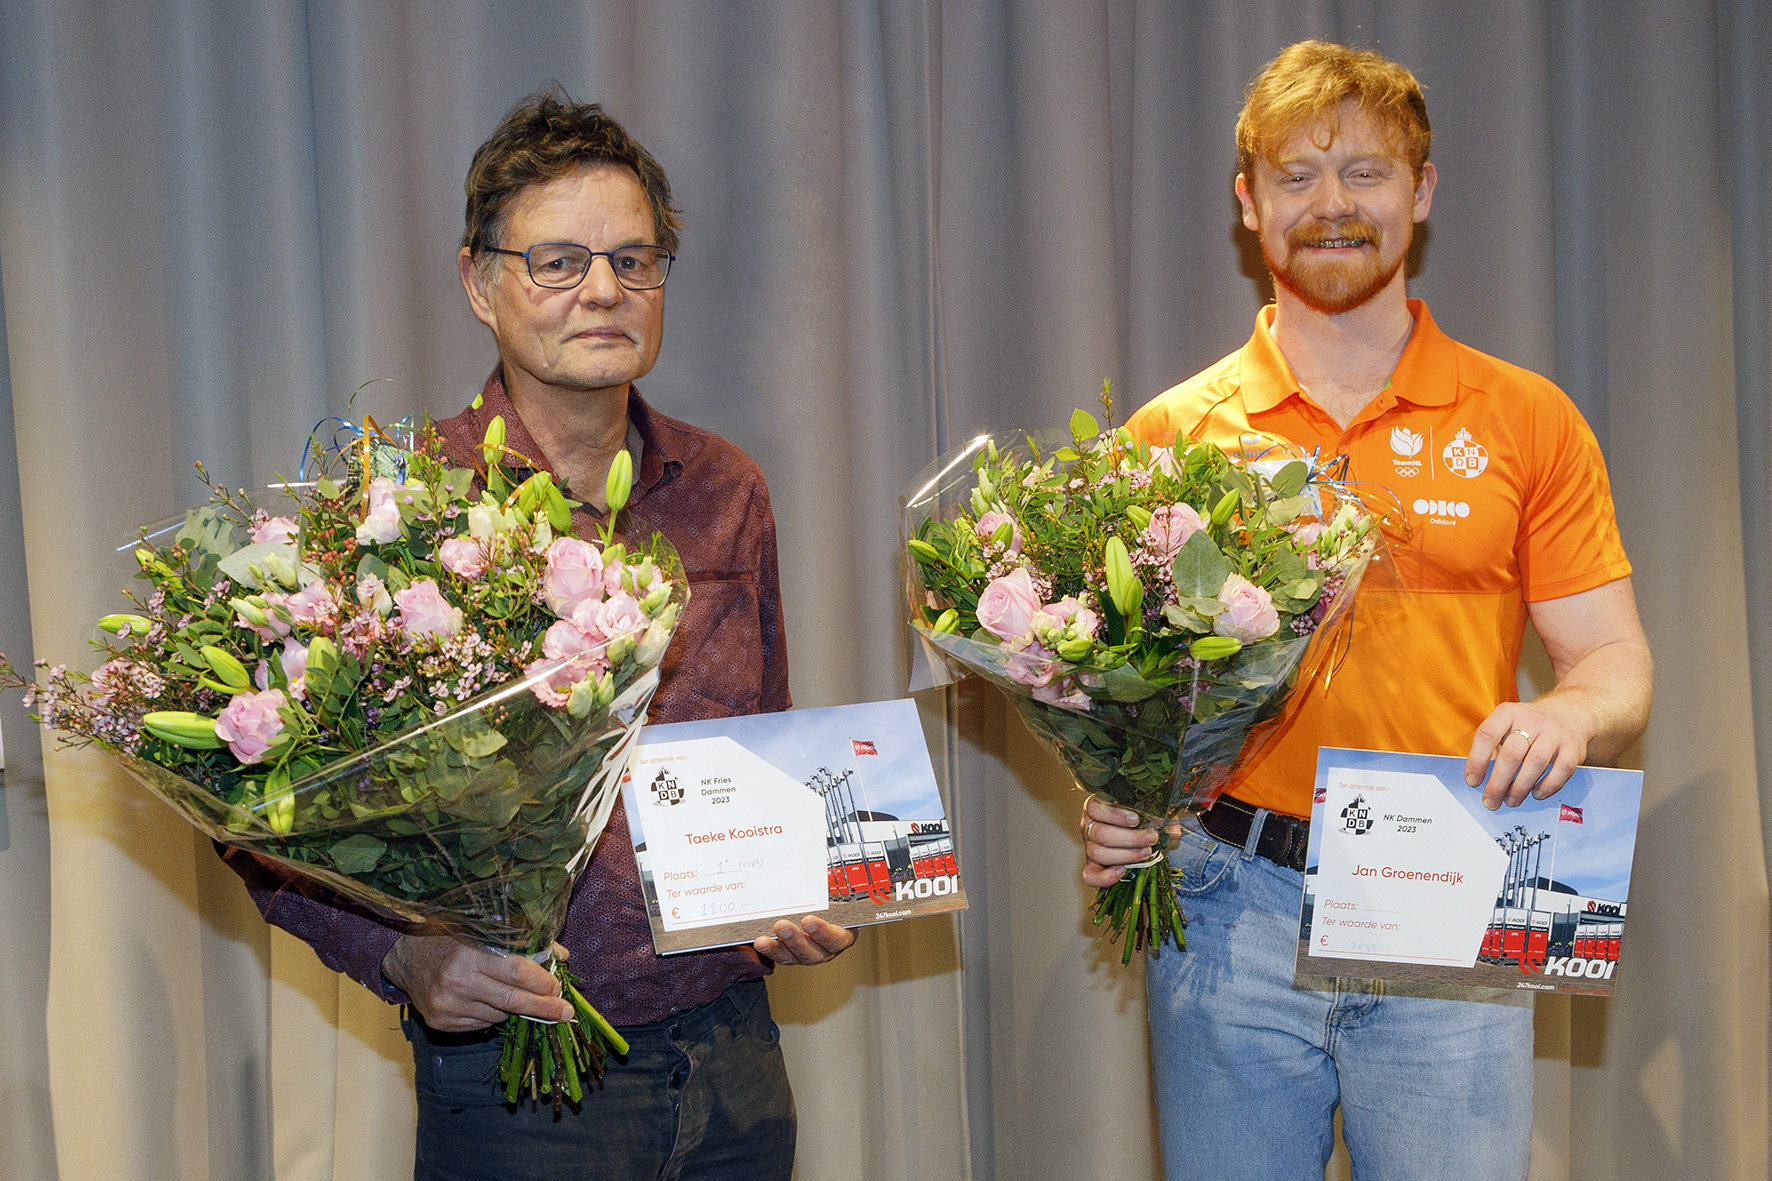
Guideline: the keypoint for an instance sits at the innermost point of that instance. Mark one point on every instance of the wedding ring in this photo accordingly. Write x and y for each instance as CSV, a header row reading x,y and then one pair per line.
x,y
1522,734
1089,833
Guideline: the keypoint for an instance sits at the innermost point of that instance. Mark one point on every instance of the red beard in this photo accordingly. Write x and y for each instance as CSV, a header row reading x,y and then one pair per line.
x,y
1336,284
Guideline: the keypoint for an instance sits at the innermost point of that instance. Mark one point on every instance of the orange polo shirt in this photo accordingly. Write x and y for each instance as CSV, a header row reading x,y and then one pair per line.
x,y
1505,491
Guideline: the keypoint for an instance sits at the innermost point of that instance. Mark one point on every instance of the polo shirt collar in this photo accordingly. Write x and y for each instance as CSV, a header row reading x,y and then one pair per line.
x,y
1426,373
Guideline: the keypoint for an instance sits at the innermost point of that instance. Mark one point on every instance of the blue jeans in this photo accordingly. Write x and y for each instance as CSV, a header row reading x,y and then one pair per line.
x,y
702,1095
1250,1070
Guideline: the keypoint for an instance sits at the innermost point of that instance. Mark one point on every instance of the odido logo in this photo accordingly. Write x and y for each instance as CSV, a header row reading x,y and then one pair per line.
x,y
1465,456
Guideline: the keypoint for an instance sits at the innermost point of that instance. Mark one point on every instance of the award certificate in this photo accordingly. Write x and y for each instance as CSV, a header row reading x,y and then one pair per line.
x,y
1409,877
739,822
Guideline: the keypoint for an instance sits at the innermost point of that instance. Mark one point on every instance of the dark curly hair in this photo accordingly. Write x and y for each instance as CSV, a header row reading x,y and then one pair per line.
x,y
548,136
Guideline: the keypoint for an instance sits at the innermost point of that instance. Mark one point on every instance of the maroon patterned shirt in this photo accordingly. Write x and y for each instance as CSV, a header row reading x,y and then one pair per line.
x,y
729,657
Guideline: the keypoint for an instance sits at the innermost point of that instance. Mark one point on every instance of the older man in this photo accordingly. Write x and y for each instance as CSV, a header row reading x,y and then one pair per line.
x,y
1513,519
570,236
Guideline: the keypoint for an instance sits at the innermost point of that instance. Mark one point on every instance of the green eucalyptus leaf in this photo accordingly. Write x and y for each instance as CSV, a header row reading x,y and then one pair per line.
x,y
1200,569
1290,479
357,854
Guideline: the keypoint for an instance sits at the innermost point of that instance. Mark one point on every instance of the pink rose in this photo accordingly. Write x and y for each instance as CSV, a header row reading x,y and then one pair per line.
x,y
991,522
313,605
1248,613
251,724
382,521
574,574
463,557
295,667
1170,528
276,529
425,612
1006,608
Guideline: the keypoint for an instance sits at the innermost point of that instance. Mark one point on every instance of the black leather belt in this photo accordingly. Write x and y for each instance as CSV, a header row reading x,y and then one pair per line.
x,y
1283,838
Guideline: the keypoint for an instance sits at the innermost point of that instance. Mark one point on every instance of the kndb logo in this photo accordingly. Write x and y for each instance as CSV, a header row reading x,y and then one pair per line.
x,y
1406,442
1357,817
1465,456
1442,508
666,790
925,888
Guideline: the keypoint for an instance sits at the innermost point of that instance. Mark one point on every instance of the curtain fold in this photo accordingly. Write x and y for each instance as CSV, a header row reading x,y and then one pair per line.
x,y
906,222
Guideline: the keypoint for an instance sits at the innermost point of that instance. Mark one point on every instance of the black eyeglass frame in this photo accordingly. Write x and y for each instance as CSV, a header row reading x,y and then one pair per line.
x,y
529,266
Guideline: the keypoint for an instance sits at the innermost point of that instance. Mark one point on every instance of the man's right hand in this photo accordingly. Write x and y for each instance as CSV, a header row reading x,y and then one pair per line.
x,y
1111,841
458,988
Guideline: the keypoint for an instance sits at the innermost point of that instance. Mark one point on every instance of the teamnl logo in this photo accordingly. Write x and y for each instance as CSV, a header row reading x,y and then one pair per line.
x,y
1406,449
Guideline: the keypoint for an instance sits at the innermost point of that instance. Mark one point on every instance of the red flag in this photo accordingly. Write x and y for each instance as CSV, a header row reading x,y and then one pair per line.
x,y
1569,812
863,747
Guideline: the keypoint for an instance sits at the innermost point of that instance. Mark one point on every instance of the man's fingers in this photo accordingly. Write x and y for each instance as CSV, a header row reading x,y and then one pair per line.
x,y
1101,876
818,942
830,937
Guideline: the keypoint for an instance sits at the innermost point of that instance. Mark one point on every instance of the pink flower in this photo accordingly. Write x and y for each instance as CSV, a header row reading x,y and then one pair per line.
x,y
382,521
109,679
276,529
251,724
1070,615
1054,694
295,667
313,605
1006,608
463,557
636,579
1305,532
991,522
1170,528
1032,665
574,574
556,687
1248,613
425,612
617,616
567,639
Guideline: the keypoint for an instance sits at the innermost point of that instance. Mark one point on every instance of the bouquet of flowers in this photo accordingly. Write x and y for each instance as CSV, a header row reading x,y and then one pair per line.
x,y
1147,610
418,690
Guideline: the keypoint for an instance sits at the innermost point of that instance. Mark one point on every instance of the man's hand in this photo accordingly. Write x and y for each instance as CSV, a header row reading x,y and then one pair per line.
x,y
1600,704
1111,841
811,941
458,988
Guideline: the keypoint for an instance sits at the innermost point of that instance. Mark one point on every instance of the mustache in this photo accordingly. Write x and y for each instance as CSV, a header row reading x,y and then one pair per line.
x,y
1316,235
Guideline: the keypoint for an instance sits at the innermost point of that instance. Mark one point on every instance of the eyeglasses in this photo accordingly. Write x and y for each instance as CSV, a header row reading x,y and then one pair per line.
x,y
564,265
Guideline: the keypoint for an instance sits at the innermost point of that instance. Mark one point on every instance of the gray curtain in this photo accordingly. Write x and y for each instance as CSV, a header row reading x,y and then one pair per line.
x,y
906,222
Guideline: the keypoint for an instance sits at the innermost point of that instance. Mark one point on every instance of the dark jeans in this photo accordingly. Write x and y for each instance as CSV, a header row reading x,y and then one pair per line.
x,y
702,1095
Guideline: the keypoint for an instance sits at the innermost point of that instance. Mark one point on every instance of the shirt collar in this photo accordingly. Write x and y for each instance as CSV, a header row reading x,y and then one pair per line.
x,y
1426,373
655,461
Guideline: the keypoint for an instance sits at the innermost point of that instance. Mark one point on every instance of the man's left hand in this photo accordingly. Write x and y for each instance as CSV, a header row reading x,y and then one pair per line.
x,y
810,941
1533,746
1600,705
